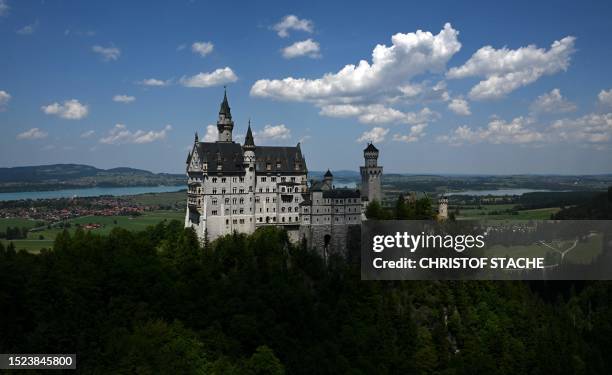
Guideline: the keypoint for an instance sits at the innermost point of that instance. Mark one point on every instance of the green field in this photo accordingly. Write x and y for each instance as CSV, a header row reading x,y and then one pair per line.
x,y
34,244
162,199
496,212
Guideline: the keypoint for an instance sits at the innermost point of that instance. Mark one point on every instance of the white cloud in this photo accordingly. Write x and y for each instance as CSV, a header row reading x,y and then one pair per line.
x,y
4,8
306,47
378,114
605,98
70,110
202,48
107,53
497,132
552,102
119,134
123,99
272,132
218,77
416,132
506,70
460,107
88,134
212,134
292,22
392,67
591,128
28,29
5,97
154,82
34,133
376,135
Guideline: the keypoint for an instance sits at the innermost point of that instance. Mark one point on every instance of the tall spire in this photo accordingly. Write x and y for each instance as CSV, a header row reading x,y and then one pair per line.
x,y
196,137
249,142
225,108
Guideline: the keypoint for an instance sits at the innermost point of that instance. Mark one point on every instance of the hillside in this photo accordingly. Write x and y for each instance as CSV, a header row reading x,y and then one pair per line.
x,y
63,176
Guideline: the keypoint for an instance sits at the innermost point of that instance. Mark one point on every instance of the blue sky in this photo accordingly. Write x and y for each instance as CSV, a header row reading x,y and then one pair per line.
x,y
485,87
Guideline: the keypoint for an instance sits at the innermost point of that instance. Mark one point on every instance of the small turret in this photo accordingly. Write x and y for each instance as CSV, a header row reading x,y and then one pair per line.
x,y
328,180
249,141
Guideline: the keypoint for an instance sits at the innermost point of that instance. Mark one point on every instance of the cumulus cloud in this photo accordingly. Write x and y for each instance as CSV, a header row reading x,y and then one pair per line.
x,y
378,114
212,134
123,99
28,29
497,131
218,77
416,133
4,8
88,134
306,47
506,70
70,109
154,82
291,22
272,133
409,55
120,134
5,97
202,48
460,107
604,97
591,128
34,133
107,53
375,135
552,102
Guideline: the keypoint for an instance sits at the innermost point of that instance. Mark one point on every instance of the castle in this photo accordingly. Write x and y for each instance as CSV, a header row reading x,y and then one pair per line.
x,y
238,188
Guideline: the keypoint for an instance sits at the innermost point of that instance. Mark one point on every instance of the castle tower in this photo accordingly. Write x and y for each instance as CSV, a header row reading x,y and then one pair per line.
x,y
443,208
328,181
249,171
371,174
225,124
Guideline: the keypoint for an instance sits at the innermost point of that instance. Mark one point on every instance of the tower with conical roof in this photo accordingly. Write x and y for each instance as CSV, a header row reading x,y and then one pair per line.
x,y
371,175
225,124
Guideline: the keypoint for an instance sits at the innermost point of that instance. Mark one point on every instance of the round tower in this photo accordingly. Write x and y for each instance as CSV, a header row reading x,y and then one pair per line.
x,y
225,124
371,175
248,151
443,208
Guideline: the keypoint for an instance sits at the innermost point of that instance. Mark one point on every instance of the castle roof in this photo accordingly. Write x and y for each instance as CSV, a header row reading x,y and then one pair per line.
x,y
229,156
248,140
370,148
328,174
225,108
341,193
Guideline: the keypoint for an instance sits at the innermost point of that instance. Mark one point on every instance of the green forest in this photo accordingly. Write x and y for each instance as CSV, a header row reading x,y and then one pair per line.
x,y
156,302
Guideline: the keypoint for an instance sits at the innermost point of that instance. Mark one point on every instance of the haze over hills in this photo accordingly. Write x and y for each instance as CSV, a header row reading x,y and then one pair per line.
x,y
62,176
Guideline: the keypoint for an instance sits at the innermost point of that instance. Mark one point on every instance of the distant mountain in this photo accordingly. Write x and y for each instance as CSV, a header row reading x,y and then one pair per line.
x,y
62,176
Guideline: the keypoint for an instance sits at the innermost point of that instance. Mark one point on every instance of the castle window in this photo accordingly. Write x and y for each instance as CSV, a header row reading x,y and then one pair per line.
x,y
267,199
235,221
283,179
241,200
241,179
223,191
214,202
282,209
289,218
257,199
278,165
267,190
250,189
214,191
241,191
214,180
227,211
223,180
292,179
273,179
226,221
234,190
234,179
268,167
234,201
283,189
241,210
226,200
241,221
263,179
213,212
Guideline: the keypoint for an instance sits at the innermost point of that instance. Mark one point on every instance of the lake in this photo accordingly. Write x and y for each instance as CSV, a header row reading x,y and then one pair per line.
x,y
499,192
89,192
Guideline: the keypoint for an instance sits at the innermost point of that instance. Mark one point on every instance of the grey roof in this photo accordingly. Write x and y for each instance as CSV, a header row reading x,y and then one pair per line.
x,y
370,148
286,156
249,141
341,193
328,174
228,154
225,108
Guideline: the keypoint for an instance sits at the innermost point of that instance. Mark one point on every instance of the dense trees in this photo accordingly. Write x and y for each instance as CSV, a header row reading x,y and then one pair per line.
x,y
157,302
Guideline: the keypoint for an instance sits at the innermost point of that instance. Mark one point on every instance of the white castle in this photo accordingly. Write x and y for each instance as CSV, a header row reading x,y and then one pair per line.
x,y
238,188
